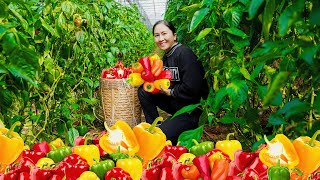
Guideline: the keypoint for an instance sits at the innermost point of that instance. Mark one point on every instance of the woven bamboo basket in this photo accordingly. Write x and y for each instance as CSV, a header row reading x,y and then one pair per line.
x,y
120,101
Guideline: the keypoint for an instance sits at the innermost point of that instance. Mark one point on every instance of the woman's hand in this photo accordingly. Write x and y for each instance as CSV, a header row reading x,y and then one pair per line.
x,y
165,91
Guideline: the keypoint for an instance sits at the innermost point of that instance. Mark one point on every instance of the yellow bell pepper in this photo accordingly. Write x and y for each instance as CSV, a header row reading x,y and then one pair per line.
x,y
90,153
119,135
186,158
135,79
229,146
133,166
165,83
44,163
308,150
154,58
11,145
57,143
150,138
88,175
278,149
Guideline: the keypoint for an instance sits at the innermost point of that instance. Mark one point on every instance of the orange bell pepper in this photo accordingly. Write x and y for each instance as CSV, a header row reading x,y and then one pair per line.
x,y
156,67
190,172
137,67
297,174
150,87
308,150
11,145
229,146
151,139
279,148
153,58
120,135
220,169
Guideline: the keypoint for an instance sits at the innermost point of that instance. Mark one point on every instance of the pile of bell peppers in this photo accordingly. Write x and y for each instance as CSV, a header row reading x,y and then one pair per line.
x,y
142,152
119,71
149,73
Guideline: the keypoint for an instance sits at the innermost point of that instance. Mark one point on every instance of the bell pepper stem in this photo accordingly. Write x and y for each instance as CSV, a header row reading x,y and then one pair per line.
x,y
299,172
311,142
153,125
195,141
17,123
228,136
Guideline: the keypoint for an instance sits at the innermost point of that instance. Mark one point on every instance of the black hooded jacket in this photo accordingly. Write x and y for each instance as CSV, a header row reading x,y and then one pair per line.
x,y
188,82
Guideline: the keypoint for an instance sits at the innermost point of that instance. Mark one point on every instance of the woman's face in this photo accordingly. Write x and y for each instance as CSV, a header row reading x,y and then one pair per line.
x,y
164,37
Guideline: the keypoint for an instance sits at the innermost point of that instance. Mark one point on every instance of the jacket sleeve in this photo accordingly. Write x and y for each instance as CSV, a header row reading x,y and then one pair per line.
x,y
191,77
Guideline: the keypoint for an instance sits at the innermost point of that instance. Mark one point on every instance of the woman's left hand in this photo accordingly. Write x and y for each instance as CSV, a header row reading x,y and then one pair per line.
x,y
165,91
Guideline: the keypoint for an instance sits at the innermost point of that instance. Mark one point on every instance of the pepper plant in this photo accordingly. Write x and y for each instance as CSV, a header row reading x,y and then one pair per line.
x,y
52,54
261,59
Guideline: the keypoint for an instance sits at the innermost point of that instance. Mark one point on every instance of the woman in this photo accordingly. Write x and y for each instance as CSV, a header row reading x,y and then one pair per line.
x,y
188,84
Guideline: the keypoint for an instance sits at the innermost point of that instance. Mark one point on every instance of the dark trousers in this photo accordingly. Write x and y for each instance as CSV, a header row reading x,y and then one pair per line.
x,y
172,128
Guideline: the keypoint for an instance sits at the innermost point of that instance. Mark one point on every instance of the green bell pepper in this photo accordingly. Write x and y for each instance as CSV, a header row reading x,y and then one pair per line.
x,y
278,172
59,154
201,148
83,129
100,168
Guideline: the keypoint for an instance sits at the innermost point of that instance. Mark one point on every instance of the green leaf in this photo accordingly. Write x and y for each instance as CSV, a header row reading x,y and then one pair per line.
x,y
185,138
276,119
212,19
238,93
81,36
191,7
257,144
88,81
203,33
230,118
221,94
254,6
316,104
60,127
23,22
197,18
289,16
237,32
67,8
232,16
278,82
267,18
91,101
288,64
89,117
49,28
9,43
309,53
3,10
186,109
245,73
315,15
207,3
276,101
294,107
239,42
72,134
256,71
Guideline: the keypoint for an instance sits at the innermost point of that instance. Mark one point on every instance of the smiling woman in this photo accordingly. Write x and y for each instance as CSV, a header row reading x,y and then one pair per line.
x,y
187,85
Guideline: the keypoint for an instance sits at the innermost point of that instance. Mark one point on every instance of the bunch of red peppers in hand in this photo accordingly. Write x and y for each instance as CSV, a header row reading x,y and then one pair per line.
x,y
149,73
119,71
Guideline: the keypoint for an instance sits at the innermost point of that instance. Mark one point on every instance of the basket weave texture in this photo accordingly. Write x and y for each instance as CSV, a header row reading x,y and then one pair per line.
x,y
120,101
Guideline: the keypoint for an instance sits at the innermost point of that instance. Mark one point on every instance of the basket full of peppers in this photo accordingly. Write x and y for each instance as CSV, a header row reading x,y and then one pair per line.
x,y
148,71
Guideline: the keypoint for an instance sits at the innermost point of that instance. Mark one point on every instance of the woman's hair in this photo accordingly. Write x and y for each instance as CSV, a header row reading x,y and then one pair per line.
x,y
166,23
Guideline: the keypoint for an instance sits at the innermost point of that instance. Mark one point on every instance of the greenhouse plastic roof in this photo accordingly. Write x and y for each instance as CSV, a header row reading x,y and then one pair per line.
x,y
152,10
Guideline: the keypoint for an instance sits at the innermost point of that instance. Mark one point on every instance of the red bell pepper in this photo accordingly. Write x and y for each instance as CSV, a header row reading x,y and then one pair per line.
x,y
176,150
33,155
166,160
146,73
119,65
250,174
101,151
259,167
151,173
203,164
233,169
9,176
37,173
79,140
42,147
166,174
55,177
243,159
24,176
104,73
177,169
117,174
165,74
23,165
74,159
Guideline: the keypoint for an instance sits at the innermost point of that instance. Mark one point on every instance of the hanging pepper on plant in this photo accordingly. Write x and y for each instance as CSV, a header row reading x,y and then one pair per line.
x,y
11,145
308,150
151,139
